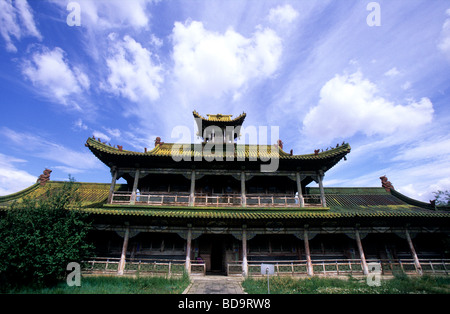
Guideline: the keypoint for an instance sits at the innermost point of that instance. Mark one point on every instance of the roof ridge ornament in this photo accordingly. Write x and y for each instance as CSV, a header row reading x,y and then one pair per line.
x,y
44,177
387,185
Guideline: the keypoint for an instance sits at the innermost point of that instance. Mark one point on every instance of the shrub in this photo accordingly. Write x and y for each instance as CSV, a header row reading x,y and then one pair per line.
x,y
41,236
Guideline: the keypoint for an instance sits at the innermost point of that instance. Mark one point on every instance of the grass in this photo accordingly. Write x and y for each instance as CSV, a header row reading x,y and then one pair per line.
x,y
400,284
114,285
319,285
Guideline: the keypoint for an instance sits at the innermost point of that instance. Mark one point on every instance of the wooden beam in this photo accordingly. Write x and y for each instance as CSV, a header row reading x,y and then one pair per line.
x,y
309,266
199,172
188,250
243,196
244,251
121,267
361,253
113,184
322,193
192,191
135,184
413,252
301,201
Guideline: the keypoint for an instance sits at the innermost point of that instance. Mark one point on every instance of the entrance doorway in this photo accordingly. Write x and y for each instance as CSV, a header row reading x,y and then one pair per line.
x,y
217,250
217,253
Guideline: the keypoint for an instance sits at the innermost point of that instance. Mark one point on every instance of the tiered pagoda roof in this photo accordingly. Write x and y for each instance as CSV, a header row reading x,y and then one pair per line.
x,y
250,156
353,204
219,120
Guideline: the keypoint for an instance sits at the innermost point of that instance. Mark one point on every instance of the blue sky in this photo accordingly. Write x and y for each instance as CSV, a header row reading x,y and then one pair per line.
x,y
134,70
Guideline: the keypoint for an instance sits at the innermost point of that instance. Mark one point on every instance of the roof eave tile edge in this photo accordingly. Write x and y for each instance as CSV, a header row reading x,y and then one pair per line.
x,y
197,115
99,146
211,214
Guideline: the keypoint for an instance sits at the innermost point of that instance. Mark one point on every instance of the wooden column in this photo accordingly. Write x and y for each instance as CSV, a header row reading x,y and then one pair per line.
x,y
244,251
192,192
113,184
188,250
309,266
361,253
135,184
322,193
413,252
301,201
243,196
121,267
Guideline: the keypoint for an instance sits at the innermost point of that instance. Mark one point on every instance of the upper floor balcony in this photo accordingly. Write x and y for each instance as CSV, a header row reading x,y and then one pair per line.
x,y
215,200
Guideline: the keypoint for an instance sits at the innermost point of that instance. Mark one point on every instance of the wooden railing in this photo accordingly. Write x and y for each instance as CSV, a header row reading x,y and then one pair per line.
x,y
217,200
299,267
109,265
343,267
430,266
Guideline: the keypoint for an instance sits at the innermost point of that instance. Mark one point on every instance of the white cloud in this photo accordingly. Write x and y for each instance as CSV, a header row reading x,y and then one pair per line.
x,y
43,148
350,104
157,42
16,20
79,124
424,191
392,72
107,14
51,74
102,136
26,16
416,180
282,14
444,42
113,132
133,72
406,85
437,148
82,78
12,179
210,64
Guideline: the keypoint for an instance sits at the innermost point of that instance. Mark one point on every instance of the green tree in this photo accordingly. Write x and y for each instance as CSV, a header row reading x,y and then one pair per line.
x,y
39,237
442,198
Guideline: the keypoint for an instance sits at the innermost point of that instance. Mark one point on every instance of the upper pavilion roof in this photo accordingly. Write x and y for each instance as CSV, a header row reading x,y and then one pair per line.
x,y
221,121
221,118
222,154
164,155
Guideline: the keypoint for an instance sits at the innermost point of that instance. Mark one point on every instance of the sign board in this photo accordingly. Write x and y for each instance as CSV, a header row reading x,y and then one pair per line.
x,y
267,269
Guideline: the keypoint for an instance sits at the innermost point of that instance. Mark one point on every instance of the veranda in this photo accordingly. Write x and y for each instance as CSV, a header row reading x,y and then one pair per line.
x,y
295,252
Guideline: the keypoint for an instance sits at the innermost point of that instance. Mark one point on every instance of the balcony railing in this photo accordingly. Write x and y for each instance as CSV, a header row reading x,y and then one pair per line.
x,y
109,265
215,200
344,267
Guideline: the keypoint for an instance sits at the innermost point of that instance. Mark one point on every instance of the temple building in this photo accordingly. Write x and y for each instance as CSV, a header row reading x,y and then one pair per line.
x,y
224,208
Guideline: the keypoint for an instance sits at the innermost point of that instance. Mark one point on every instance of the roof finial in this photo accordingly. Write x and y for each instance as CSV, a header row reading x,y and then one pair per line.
x,y
43,178
387,185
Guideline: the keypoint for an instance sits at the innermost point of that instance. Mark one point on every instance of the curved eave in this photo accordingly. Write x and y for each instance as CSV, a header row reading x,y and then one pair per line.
x,y
257,214
236,121
108,153
18,195
90,194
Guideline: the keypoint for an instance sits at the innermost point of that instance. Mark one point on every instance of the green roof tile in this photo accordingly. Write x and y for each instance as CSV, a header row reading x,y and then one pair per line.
x,y
344,203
